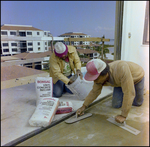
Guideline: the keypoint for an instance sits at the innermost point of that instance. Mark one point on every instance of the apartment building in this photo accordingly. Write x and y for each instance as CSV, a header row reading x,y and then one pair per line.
x,y
17,39
76,35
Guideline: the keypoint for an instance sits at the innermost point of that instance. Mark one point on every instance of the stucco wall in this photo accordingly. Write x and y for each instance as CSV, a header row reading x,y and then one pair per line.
x,y
133,48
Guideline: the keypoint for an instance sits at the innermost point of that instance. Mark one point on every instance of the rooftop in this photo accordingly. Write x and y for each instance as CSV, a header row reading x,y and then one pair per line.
x,y
73,33
18,27
33,55
18,102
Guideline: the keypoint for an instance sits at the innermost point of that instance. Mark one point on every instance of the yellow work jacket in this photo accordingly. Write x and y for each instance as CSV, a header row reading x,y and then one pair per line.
x,y
122,74
57,65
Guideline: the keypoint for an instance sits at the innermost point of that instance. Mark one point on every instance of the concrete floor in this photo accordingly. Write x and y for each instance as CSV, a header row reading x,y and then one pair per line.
x,y
18,104
96,130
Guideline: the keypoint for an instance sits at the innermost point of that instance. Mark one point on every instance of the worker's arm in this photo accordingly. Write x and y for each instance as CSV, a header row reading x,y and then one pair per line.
x,y
77,64
128,89
94,93
76,60
57,71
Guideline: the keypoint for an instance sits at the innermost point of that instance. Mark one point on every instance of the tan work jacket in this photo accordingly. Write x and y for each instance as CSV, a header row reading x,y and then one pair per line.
x,y
57,65
123,74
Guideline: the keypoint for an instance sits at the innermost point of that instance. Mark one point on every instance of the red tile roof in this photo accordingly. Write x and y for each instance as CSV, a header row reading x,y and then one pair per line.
x,y
72,33
5,27
33,55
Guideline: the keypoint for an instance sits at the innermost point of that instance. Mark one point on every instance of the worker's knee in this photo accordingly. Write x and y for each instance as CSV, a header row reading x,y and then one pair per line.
x,y
137,102
57,94
116,105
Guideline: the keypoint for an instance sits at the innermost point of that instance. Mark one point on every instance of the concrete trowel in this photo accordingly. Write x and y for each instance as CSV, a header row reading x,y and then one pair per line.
x,y
124,126
75,118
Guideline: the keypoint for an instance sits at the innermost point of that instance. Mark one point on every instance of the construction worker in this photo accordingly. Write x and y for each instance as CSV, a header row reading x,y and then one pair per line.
x,y
63,62
126,77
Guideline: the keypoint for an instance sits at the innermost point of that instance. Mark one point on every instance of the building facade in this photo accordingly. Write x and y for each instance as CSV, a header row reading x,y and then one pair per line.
x,y
76,35
17,39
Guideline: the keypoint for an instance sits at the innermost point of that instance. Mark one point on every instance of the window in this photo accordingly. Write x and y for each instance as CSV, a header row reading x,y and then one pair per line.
x,y
30,49
80,42
3,32
45,48
23,50
38,43
30,43
5,44
22,33
23,44
95,54
12,33
45,43
5,50
91,55
44,33
14,50
38,33
146,25
13,44
29,33
39,48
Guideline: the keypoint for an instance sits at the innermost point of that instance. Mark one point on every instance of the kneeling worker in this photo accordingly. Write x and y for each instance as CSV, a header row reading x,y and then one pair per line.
x,y
126,77
63,62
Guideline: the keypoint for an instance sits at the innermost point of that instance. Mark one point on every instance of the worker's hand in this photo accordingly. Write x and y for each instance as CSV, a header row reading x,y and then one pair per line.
x,y
120,118
70,82
80,111
79,73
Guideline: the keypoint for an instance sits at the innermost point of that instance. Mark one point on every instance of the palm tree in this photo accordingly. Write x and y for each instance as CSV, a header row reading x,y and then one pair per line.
x,y
105,50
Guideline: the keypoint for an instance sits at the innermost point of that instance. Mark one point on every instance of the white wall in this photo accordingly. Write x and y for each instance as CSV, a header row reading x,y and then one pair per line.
x,y
133,48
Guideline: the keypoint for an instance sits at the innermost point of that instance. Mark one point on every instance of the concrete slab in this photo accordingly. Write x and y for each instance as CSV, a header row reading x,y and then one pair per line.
x,y
96,130
18,104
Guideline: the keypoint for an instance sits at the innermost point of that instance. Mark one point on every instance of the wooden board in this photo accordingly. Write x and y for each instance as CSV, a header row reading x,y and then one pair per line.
x,y
86,39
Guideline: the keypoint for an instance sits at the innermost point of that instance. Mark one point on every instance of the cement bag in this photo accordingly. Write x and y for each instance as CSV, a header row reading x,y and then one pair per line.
x,y
80,88
44,88
64,107
44,112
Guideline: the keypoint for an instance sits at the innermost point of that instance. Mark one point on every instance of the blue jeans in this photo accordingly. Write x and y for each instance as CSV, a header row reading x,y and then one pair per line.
x,y
59,88
118,95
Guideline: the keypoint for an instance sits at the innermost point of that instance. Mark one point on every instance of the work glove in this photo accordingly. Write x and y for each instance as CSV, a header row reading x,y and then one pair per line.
x,y
81,110
79,73
120,118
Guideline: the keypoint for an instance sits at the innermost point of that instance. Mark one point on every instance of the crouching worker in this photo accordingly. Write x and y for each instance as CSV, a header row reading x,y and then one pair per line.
x,y
126,77
63,62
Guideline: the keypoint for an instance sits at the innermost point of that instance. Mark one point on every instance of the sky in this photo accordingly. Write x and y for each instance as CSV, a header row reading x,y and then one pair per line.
x,y
95,18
